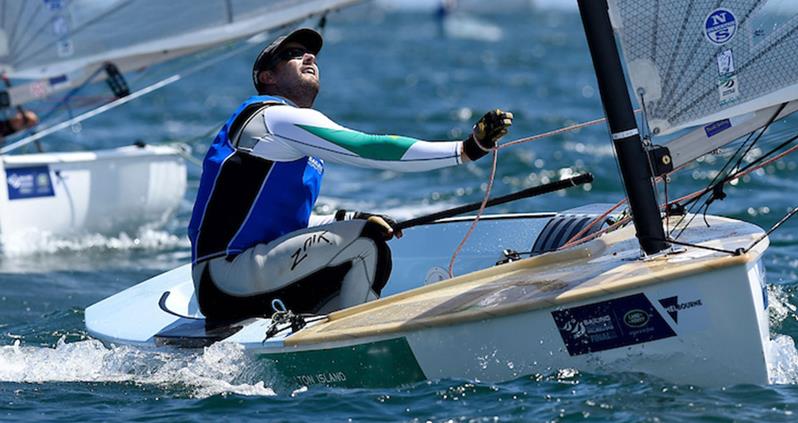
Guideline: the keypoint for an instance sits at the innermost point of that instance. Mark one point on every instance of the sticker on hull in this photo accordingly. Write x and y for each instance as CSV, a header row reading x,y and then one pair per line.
x,y
29,182
610,324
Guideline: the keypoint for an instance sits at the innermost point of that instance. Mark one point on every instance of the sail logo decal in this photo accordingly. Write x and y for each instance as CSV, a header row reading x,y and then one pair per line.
x,y
673,306
29,182
720,26
726,63
606,325
728,88
716,128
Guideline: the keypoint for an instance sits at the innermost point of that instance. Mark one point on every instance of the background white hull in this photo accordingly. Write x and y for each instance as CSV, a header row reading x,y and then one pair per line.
x,y
105,192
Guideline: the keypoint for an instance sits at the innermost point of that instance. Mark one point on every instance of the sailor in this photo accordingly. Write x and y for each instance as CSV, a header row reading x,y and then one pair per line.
x,y
253,236
21,120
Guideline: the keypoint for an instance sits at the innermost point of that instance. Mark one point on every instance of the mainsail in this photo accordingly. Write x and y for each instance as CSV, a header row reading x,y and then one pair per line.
x,y
58,40
695,62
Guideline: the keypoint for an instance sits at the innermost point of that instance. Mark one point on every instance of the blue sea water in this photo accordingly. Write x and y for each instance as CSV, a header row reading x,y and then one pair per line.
x,y
381,72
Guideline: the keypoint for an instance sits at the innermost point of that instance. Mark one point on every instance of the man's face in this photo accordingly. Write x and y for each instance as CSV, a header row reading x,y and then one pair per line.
x,y
295,71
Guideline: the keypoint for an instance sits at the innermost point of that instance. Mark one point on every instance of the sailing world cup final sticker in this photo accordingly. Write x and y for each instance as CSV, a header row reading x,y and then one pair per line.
x,y
720,26
728,88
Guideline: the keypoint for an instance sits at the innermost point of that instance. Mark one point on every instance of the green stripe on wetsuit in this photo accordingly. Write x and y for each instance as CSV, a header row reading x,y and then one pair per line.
x,y
375,147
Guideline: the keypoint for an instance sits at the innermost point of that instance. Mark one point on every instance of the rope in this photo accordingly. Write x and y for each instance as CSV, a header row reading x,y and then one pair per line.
x,y
584,230
778,224
736,175
552,133
492,178
479,213
185,152
576,240
723,180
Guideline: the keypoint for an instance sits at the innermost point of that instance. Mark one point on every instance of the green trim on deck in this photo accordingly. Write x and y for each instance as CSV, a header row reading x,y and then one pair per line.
x,y
376,147
380,364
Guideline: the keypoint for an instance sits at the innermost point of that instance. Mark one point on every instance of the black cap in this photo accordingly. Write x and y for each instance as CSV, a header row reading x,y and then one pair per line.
x,y
307,37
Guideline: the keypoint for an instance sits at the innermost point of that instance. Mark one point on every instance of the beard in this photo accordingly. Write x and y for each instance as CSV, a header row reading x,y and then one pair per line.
x,y
303,92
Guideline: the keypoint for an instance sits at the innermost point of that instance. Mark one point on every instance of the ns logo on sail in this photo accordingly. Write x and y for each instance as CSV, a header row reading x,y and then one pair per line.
x,y
720,26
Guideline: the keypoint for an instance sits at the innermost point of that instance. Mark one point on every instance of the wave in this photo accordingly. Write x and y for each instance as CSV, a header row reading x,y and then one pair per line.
x,y
33,242
215,370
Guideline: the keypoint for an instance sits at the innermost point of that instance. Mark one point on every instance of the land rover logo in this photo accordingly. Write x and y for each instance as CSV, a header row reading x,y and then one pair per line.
x,y
635,318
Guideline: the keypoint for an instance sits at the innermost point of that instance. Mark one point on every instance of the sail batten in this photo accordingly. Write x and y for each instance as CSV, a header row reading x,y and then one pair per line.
x,y
703,60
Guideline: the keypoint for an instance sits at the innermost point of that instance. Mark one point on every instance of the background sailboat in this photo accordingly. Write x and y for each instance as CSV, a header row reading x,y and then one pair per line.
x,y
54,49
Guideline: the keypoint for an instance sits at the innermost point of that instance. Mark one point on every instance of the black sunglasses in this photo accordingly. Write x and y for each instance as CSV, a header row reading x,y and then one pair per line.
x,y
292,53
288,54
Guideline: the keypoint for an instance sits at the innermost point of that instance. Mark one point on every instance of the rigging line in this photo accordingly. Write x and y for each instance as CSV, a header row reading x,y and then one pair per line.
x,y
720,177
702,247
577,237
80,28
597,234
646,141
70,94
770,122
118,102
764,156
493,175
555,132
753,140
665,184
773,228
576,241
735,174
742,173
187,156
89,114
552,133
479,213
715,180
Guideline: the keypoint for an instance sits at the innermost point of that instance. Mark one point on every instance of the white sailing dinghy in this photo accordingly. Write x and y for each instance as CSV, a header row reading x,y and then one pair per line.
x,y
679,298
57,46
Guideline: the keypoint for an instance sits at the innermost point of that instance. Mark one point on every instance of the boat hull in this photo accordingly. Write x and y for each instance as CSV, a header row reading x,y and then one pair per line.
x,y
693,315
708,329
105,192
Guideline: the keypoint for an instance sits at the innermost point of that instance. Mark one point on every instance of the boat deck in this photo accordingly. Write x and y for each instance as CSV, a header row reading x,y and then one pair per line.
x,y
606,265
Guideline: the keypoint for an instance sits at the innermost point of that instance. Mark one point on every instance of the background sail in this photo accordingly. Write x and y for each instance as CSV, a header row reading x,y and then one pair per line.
x,y
50,38
701,61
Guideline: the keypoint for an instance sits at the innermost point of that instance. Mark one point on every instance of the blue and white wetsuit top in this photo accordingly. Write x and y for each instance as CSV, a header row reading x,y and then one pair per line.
x,y
262,174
